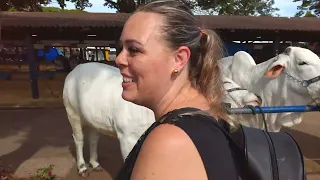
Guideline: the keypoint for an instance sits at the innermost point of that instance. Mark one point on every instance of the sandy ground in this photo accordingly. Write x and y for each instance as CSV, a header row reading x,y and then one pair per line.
x,y
31,139
17,92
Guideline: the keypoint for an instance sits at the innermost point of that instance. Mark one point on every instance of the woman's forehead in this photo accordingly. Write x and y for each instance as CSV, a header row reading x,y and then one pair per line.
x,y
141,27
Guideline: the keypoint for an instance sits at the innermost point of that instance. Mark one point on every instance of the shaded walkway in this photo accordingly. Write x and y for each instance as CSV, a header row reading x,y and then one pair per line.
x,y
31,139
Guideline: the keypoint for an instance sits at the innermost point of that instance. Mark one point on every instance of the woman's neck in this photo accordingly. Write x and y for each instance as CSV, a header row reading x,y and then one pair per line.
x,y
186,96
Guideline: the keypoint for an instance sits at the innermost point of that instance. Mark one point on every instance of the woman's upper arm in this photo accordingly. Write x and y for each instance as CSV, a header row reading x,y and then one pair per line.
x,y
168,153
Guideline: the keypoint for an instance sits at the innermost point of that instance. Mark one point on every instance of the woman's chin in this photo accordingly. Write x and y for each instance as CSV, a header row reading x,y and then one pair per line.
x,y
128,96
131,98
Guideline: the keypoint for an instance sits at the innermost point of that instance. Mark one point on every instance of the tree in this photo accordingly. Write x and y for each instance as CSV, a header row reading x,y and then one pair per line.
x,y
128,6
308,5
309,14
79,4
37,5
23,5
56,9
221,7
51,9
238,7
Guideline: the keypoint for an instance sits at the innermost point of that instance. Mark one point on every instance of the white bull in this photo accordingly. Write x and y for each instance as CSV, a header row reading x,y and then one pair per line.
x,y
92,97
238,97
279,81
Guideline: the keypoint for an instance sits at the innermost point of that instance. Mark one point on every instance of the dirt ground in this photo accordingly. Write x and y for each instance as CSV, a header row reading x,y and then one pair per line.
x,y
32,139
17,92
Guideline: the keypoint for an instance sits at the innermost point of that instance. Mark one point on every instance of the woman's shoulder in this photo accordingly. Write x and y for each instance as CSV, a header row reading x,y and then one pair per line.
x,y
168,153
167,139
182,150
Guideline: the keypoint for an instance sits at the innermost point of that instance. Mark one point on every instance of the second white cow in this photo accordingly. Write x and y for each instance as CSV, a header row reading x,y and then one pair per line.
x,y
291,78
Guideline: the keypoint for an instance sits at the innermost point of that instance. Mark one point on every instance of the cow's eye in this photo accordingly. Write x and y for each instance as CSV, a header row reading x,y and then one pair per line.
x,y
302,63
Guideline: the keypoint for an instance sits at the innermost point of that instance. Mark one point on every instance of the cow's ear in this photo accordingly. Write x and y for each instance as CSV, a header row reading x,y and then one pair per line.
x,y
276,68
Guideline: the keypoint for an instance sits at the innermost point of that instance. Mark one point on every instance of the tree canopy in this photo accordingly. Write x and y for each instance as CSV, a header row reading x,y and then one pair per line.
x,y
23,5
38,5
309,14
79,4
221,7
309,6
238,7
128,6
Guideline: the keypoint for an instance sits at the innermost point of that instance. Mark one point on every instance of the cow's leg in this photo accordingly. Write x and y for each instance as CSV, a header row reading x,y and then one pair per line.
x,y
93,145
77,135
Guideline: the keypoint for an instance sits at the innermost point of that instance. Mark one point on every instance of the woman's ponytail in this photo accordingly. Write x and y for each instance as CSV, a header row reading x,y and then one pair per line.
x,y
209,80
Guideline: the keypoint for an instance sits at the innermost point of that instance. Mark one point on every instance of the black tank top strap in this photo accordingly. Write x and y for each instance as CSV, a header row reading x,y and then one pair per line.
x,y
211,143
126,170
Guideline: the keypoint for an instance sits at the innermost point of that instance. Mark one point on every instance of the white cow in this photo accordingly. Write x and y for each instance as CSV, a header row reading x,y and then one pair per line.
x,y
92,97
238,97
227,62
279,81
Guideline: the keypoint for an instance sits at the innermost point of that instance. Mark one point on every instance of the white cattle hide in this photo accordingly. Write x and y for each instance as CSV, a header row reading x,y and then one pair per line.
x,y
238,99
278,81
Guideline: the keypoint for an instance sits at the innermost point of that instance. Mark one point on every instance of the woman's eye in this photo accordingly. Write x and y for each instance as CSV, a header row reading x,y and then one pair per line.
x,y
133,50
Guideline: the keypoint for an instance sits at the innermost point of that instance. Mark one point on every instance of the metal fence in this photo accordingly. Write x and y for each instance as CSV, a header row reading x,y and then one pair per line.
x,y
274,109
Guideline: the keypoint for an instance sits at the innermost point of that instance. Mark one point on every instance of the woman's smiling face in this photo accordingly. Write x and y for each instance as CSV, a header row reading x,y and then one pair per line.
x,y
145,61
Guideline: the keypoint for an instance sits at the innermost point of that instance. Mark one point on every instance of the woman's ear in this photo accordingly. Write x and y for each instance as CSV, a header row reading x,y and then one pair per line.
x,y
182,56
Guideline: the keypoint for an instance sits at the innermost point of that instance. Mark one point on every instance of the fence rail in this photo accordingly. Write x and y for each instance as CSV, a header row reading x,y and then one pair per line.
x,y
275,109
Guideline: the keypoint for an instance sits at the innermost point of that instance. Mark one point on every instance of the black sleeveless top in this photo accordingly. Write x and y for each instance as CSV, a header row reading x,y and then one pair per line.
x,y
211,143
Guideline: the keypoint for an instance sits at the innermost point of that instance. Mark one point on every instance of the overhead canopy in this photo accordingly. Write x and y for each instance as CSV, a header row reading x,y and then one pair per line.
x,y
107,26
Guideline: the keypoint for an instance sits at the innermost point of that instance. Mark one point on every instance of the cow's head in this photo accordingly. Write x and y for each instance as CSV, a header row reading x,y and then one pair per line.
x,y
251,99
238,96
302,67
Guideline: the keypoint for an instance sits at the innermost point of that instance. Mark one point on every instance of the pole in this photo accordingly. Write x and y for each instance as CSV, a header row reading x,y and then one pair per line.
x,y
274,109
32,68
276,44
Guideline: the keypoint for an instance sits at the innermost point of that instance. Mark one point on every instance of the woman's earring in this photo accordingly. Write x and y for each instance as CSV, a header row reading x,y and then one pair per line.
x,y
175,71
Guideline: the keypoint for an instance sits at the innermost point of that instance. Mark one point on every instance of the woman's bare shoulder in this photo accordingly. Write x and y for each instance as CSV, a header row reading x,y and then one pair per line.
x,y
168,153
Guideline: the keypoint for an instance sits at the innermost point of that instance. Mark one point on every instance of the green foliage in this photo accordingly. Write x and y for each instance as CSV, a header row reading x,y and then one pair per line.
x,y
79,4
44,173
238,7
12,9
309,14
55,9
37,5
309,6
221,7
23,5
128,6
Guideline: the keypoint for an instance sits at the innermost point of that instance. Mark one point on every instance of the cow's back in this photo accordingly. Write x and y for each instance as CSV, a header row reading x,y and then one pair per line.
x,y
92,90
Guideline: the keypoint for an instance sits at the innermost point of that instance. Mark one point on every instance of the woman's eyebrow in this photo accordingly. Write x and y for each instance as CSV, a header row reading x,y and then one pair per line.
x,y
130,41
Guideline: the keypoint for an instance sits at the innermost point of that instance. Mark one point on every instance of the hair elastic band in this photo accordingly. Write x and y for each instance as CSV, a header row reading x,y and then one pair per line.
x,y
200,31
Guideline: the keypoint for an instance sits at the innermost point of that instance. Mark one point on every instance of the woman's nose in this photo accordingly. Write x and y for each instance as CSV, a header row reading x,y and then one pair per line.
x,y
120,60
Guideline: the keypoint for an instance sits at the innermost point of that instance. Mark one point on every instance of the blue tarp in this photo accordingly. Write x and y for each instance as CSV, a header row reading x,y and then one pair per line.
x,y
51,55
232,48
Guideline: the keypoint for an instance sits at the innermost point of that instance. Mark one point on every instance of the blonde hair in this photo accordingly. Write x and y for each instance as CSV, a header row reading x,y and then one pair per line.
x,y
180,29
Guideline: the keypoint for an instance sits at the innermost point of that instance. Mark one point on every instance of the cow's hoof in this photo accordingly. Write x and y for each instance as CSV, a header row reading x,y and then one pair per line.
x,y
98,169
84,174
